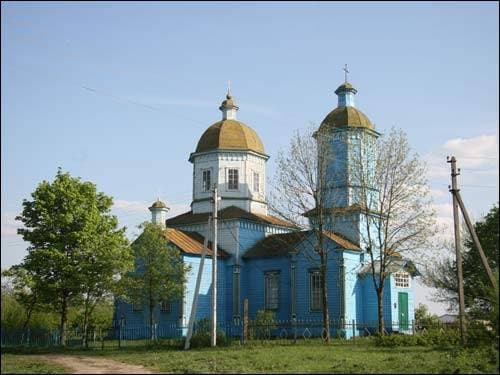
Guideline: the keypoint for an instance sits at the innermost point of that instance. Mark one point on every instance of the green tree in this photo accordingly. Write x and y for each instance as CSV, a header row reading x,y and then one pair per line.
x,y
101,317
476,282
15,314
479,296
12,311
160,272
25,292
424,318
106,256
74,244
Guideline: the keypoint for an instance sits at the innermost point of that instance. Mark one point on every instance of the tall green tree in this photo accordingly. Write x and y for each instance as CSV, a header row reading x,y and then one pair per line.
x,y
160,272
106,257
74,244
24,290
480,299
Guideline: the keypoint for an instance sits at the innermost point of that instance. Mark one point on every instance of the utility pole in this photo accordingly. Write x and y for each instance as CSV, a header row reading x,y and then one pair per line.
x,y
473,234
458,254
213,334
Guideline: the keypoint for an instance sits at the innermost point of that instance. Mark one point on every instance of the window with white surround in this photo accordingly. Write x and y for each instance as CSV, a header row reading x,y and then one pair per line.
x,y
402,279
256,181
232,179
272,281
315,291
206,180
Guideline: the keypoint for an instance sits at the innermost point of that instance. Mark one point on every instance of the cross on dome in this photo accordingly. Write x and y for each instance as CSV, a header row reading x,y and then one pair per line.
x,y
345,72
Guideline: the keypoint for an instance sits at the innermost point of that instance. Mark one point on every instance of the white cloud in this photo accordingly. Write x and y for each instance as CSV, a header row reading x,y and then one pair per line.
x,y
438,193
130,206
479,152
10,225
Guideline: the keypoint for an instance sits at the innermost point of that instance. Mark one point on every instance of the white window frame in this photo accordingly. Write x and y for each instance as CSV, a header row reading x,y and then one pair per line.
x,y
204,187
237,179
315,294
256,181
402,279
272,290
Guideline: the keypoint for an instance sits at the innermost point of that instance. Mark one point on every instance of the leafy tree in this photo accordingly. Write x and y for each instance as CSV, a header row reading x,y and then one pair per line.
x,y
424,318
100,318
14,313
160,272
476,282
24,291
73,242
106,257
481,301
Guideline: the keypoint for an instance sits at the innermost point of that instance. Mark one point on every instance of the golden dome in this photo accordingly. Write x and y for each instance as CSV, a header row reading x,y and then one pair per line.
x,y
158,204
230,135
346,116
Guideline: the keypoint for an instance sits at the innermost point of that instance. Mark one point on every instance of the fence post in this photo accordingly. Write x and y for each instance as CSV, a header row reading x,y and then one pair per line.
x,y
413,326
294,322
120,336
245,320
353,329
102,339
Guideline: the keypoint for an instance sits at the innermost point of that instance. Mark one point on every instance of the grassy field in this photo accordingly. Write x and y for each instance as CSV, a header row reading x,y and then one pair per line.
x,y
311,357
26,364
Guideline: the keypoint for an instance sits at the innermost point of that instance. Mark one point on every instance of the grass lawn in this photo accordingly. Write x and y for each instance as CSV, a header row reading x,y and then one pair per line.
x,y
26,364
311,357
314,358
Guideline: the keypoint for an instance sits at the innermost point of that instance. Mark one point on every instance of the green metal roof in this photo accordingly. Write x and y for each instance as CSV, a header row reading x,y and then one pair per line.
x,y
346,116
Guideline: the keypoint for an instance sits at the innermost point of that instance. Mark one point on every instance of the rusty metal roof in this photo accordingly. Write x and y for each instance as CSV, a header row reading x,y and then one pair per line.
x,y
231,212
283,243
340,240
189,242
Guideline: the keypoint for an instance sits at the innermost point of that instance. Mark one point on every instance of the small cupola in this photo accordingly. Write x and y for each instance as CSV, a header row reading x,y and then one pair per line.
x,y
228,107
159,212
345,93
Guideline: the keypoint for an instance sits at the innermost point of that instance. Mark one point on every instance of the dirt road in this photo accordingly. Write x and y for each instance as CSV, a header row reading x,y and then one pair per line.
x,y
94,365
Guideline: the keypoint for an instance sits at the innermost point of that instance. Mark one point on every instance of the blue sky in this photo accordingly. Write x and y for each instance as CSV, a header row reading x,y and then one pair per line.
x,y
119,93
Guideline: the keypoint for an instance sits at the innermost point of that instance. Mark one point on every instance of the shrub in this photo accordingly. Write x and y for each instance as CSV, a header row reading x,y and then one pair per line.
x,y
431,337
479,333
262,325
201,335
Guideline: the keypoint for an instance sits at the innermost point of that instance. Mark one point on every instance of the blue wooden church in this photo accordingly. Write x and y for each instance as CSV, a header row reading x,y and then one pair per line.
x,y
263,258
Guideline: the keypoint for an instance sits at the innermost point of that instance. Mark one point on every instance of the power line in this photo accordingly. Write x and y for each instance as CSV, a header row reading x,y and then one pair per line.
x,y
481,186
118,98
477,157
478,186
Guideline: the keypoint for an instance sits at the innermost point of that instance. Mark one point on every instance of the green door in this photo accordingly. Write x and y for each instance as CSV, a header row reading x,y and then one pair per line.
x,y
403,311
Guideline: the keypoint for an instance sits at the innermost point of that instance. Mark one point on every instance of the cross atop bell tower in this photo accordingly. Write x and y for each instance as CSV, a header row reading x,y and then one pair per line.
x,y
345,72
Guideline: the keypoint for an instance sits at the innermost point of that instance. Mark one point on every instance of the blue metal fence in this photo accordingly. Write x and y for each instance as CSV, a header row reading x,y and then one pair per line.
x,y
122,336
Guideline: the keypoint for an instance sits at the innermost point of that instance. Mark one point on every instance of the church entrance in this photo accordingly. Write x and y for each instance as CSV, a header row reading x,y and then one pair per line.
x,y
403,311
